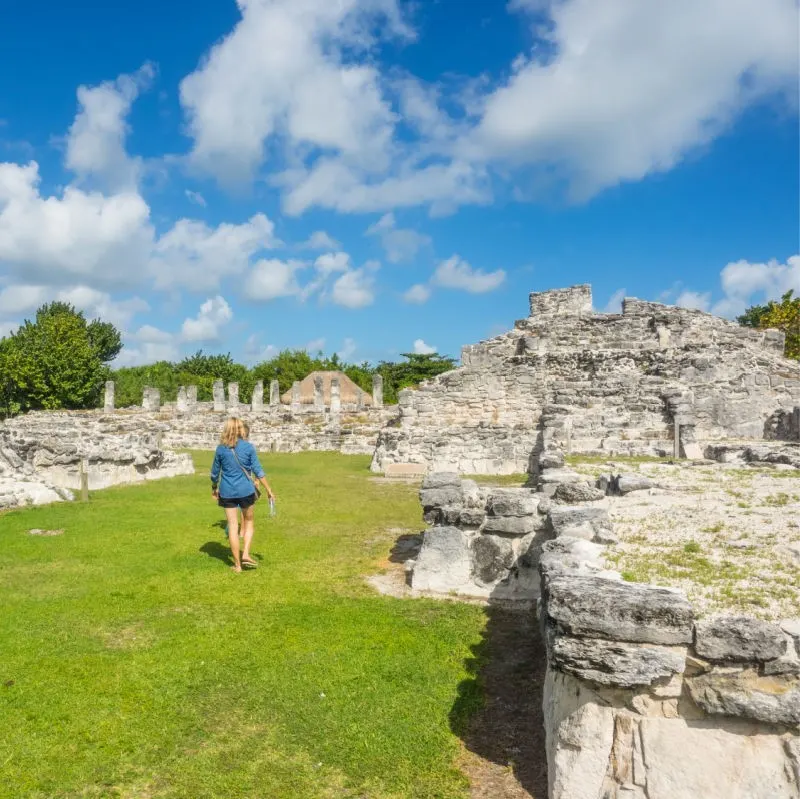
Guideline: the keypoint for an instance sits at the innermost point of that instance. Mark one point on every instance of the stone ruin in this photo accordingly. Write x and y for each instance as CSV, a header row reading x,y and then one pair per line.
x,y
642,698
648,381
326,412
43,456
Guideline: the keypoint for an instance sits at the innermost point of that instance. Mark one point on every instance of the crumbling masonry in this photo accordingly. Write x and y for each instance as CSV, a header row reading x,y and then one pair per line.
x,y
594,382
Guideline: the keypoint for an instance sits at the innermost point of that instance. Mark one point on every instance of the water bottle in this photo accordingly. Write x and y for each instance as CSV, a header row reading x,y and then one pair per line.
x,y
272,510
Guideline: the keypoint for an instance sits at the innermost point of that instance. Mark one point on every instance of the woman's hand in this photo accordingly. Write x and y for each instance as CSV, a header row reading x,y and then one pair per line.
x,y
214,493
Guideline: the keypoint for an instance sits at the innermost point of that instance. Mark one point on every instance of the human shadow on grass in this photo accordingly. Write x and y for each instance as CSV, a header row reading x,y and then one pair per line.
x,y
215,549
498,710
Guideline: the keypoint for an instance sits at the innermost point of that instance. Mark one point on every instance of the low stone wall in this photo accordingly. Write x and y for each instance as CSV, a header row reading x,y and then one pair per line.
x,y
49,450
642,700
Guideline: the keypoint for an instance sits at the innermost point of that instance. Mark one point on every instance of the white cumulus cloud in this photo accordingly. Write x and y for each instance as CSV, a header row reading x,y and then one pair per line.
x,y
207,326
273,278
355,288
418,294
455,273
421,348
400,244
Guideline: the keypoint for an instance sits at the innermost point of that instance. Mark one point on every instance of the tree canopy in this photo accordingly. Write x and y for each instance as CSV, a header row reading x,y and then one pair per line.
x,y
58,360
783,315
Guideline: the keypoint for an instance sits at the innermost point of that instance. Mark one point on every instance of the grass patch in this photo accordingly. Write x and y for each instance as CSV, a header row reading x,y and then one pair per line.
x,y
136,664
691,547
777,500
632,460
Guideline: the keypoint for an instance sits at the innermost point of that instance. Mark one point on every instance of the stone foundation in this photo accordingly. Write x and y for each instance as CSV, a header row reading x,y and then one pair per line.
x,y
597,383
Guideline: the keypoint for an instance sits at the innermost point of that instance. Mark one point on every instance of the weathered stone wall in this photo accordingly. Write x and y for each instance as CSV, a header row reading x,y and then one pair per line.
x,y
592,382
642,700
42,455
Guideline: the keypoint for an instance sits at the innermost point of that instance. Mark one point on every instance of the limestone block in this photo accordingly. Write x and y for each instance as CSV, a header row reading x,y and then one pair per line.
x,y
551,459
438,497
615,663
570,554
512,525
689,761
738,639
580,521
492,556
627,483
512,502
601,608
441,479
444,562
257,399
579,730
730,692
570,493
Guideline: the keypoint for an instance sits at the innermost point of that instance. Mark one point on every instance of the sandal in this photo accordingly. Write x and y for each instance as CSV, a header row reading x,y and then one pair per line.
x,y
251,563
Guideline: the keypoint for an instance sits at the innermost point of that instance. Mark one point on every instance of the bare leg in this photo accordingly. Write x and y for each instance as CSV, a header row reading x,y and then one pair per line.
x,y
232,515
248,524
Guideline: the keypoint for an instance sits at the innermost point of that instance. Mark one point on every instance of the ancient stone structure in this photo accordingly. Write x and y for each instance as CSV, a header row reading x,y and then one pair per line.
x,y
336,397
257,402
191,397
642,700
41,454
218,393
151,399
274,393
108,399
233,397
594,382
377,390
182,404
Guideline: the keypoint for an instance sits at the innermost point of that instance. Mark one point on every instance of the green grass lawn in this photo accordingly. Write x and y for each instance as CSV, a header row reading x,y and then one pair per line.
x,y
135,663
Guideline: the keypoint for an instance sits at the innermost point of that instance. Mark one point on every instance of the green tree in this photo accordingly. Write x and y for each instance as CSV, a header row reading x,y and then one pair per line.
x,y
52,363
783,315
411,372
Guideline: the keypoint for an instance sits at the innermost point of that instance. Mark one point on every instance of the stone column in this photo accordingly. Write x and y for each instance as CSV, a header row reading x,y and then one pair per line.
x,y
258,397
319,396
233,396
274,393
183,400
296,396
377,391
151,399
360,400
676,442
191,397
219,395
336,396
108,401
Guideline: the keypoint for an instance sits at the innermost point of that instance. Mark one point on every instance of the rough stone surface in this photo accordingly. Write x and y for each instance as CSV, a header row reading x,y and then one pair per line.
x,y
580,521
626,483
614,662
745,693
444,562
441,480
604,383
570,493
739,639
596,607
513,502
493,556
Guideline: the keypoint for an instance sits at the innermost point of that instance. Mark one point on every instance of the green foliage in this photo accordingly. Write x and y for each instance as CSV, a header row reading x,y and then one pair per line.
x,y
411,372
56,361
286,367
783,315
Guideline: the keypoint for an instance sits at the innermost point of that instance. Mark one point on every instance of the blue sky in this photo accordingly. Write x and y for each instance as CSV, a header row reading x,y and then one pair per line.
x,y
373,176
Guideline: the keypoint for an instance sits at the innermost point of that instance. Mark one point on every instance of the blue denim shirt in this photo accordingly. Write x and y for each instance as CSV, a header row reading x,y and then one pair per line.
x,y
226,471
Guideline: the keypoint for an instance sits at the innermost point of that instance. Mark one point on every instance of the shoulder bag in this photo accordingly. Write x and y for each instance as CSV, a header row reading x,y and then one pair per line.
x,y
247,474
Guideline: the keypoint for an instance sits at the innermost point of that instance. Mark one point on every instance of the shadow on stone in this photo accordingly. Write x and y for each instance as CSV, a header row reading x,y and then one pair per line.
x,y
405,548
498,710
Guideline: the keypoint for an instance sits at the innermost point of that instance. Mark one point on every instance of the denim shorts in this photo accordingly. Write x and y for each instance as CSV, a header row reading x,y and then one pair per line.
x,y
237,502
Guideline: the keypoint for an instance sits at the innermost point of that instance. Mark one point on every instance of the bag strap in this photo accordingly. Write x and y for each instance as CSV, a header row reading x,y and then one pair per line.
x,y
246,473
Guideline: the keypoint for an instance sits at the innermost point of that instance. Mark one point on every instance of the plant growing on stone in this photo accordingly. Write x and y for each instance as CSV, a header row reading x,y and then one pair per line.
x,y
783,315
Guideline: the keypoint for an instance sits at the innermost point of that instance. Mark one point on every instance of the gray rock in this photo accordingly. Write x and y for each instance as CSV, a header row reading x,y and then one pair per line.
x,y
441,480
601,608
471,517
444,561
492,557
513,502
551,459
792,627
746,694
439,497
569,554
560,476
614,663
545,503
580,521
626,483
738,639
512,525
570,493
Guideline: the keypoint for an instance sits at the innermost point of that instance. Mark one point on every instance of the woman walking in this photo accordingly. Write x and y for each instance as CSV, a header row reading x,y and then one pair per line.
x,y
235,474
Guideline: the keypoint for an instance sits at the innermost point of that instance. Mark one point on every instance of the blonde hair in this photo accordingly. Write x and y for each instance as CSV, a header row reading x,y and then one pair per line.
x,y
231,432
245,429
